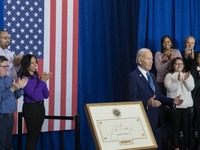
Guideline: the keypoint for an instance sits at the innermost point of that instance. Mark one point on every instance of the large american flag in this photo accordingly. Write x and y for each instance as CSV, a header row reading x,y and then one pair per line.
x,y
49,30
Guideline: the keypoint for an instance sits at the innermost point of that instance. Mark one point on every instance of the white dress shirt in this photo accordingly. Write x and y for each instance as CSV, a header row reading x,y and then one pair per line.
x,y
9,55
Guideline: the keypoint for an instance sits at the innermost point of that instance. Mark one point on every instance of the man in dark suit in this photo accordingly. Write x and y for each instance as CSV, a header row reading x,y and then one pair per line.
x,y
143,87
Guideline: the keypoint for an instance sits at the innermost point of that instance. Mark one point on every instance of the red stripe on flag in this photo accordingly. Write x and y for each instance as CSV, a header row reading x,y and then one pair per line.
x,y
52,61
40,66
24,123
64,63
75,60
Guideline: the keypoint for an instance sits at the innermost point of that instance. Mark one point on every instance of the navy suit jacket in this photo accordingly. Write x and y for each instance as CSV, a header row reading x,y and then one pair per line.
x,y
140,90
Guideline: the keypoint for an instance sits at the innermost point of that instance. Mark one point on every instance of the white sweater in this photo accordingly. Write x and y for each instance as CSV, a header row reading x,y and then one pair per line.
x,y
184,87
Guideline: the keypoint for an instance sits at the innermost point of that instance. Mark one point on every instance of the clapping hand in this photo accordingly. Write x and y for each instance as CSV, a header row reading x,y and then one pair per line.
x,y
179,76
186,76
46,76
19,84
152,102
17,60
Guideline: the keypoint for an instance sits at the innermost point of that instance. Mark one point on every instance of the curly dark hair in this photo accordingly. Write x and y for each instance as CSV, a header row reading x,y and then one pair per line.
x,y
162,40
25,64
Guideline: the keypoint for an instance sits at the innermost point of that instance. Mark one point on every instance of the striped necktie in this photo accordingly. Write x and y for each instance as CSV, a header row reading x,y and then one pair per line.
x,y
151,81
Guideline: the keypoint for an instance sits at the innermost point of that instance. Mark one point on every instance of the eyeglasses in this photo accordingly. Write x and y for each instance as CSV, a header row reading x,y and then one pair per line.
x,y
5,67
180,64
6,38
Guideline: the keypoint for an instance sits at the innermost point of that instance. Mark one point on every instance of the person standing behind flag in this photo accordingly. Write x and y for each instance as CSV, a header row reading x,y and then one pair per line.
x,y
34,94
9,91
13,60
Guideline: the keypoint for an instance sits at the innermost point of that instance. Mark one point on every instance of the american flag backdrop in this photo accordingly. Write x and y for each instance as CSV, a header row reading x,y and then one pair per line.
x,y
49,30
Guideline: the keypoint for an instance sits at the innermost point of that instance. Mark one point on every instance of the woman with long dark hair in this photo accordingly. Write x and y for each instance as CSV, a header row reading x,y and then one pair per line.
x,y
35,92
163,60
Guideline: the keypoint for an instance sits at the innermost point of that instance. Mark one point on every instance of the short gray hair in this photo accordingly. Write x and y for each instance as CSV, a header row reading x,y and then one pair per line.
x,y
190,36
141,53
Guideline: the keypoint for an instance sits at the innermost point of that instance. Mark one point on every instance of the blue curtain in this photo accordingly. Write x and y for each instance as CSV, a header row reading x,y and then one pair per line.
x,y
177,18
111,32
107,47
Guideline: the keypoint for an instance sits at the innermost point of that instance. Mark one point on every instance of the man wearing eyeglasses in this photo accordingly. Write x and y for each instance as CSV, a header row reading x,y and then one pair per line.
x,y
10,90
13,60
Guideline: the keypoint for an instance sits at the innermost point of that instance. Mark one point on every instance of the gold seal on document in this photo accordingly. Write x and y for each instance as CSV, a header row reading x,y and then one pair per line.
x,y
116,112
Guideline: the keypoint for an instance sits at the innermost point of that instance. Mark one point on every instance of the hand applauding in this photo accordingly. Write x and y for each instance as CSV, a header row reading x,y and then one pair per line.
x,y
45,76
185,77
17,60
19,84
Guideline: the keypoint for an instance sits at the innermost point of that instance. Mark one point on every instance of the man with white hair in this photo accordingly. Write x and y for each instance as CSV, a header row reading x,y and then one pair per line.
x,y
188,53
143,87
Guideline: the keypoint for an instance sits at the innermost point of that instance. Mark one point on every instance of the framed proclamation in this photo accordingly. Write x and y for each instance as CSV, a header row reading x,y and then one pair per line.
x,y
121,125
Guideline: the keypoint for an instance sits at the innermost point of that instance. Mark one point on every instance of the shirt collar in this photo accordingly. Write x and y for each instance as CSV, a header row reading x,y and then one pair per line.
x,y
2,77
143,72
198,68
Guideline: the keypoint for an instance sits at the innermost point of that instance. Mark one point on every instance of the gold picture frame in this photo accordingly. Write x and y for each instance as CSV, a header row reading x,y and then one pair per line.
x,y
120,125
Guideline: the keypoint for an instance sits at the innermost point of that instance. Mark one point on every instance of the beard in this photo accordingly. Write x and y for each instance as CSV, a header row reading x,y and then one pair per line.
x,y
4,46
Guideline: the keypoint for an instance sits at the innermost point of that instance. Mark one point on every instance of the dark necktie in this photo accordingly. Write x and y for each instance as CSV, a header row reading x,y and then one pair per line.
x,y
151,81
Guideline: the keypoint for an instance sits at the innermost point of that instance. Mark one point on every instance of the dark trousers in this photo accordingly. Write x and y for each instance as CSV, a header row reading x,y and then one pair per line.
x,y
170,127
190,128
197,115
179,122
165,143
34,114
157,134
6,128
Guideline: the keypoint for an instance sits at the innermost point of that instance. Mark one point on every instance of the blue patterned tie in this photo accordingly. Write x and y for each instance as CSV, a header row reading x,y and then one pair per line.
x,y
151,81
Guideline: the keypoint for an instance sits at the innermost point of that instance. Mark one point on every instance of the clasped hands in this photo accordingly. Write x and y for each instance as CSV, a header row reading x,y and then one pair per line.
x,y
152,102
168,55
189,52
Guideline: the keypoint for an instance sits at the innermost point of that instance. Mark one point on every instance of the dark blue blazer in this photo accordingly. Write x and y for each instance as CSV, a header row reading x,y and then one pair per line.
x,y
140,90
